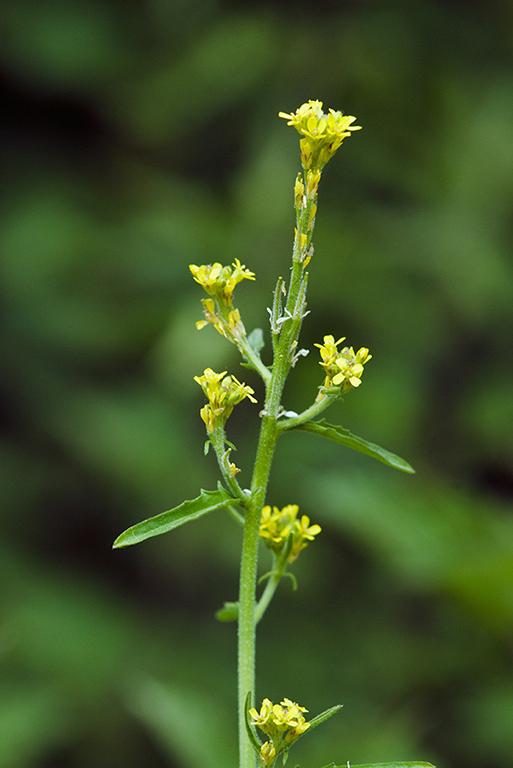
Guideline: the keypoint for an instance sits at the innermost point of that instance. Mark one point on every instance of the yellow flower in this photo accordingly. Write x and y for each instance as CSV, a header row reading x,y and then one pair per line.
x,y
283,722
264,717
223,393
329,351
207,276
276,526
322,133
220,281
342,368
351,367
303,533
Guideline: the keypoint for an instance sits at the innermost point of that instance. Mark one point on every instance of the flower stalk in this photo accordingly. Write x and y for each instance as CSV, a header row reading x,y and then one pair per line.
x,y
285,329
283,531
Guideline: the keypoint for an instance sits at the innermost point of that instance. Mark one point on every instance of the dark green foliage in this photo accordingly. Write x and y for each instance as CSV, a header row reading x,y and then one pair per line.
x,y
137,138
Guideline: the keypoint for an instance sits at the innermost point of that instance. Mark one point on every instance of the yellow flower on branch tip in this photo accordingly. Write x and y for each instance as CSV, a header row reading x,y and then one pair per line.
x,y
329,351
303,533
263,717
277,527
322,133
342,368
283,722
351,367
223,393
220,281
207,275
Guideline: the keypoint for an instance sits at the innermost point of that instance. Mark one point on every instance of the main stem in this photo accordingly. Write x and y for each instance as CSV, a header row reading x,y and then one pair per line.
x,y
249,560
284,351
248,579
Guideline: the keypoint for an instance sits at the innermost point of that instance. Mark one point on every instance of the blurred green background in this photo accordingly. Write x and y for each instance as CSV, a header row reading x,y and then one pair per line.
x,y
138,136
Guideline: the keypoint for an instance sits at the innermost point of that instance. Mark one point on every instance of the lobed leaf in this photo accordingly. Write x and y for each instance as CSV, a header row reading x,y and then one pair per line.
x,y
345,437
207,501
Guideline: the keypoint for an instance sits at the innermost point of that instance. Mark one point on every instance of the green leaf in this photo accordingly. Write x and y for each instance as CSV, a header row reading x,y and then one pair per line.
x,y
229,612
383,765
207,501
255,743
345,437
256,340
315,721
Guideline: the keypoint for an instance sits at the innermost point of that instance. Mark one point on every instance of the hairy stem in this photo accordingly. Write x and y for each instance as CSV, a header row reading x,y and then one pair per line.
x,y
249,559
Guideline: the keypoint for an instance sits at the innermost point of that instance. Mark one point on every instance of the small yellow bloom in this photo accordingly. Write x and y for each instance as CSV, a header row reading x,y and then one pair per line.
x,y
303,533
207,276
219,281
329,352
342,368
277,526
223,393
264,717
322,134
351,367
283,722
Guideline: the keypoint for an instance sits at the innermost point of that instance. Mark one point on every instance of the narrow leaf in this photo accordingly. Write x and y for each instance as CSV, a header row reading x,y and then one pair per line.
x,y
207,501
345,437
315,721
382,765
255,743
318,719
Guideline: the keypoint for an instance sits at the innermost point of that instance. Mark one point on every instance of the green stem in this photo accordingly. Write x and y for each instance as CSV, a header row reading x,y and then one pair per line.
x,y
249,559
218,440
310,413
284,349
254,360
248,579
278,572
267,595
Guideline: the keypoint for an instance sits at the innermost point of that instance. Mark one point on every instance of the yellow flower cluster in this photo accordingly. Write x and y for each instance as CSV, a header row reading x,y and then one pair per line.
x,y
220,282
322,133
283,723
279,527
223,393
342,368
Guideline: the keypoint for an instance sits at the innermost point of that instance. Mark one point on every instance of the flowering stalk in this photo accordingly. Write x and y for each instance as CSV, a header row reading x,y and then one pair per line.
x,y
283,531
321,137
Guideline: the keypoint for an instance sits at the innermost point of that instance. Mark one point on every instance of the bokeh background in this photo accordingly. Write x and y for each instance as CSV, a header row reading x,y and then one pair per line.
x,y
137,137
